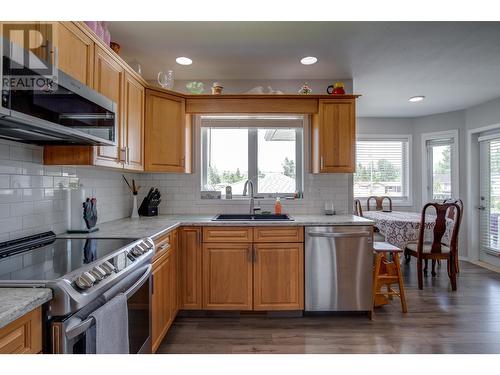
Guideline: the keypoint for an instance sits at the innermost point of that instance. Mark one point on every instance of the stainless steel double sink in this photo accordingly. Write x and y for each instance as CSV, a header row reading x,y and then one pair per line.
x,y
249,217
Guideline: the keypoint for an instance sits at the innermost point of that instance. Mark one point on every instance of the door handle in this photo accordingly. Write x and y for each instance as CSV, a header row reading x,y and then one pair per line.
x,y
481,208
340,235
321,163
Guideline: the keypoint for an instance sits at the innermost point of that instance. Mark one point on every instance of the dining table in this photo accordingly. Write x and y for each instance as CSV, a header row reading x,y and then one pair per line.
x,y
401,227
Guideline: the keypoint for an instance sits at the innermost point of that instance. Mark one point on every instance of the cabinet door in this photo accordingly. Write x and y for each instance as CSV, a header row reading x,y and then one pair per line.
x,y
108,80
160,300
278,276
75,51
167,133
23,335
173,284
133,135
227,276
190,268
334,137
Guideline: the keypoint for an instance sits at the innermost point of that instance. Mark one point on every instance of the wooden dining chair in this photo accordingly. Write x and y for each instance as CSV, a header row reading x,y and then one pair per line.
x,y
358,210
451,215
379,202
437,250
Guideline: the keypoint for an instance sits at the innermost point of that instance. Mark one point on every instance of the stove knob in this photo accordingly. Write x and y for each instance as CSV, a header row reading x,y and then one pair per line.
x,y
137,251
85,280
98,273
107,267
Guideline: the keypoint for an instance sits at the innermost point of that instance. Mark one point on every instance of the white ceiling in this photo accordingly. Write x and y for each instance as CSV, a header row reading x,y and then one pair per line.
x,y
454,64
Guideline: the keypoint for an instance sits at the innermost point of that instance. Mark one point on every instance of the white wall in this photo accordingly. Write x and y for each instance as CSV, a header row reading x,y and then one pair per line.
x,y
32,198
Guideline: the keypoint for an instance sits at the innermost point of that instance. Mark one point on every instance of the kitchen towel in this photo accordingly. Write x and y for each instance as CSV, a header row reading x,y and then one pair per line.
x,y
109,335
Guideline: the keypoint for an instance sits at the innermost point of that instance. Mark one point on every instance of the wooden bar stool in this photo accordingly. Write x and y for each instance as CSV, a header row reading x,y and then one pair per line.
x,y
387,272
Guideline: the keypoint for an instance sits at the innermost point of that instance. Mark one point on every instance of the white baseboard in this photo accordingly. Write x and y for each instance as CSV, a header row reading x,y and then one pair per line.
x,y
485,265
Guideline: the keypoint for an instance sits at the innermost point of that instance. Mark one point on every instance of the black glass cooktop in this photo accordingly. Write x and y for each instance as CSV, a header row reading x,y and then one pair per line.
x,y
56,258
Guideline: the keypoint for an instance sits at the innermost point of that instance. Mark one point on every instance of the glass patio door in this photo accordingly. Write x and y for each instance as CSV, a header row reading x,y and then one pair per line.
x,y
489,204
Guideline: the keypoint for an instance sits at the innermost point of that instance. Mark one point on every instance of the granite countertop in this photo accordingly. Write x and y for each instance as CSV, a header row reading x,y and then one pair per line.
x,y
157,225
16,302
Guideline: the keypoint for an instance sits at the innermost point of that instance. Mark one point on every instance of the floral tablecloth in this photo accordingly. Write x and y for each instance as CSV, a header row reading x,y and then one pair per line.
x,y
399,228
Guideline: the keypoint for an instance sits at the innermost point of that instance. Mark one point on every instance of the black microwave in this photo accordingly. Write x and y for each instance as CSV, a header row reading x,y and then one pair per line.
x,y
41,110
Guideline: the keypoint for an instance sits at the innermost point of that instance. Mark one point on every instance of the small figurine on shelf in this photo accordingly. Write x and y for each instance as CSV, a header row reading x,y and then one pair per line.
x,y
217,88
336,89
305,89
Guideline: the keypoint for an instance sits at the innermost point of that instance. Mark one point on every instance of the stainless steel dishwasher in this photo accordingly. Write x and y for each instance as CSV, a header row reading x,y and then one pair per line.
x,y
338,268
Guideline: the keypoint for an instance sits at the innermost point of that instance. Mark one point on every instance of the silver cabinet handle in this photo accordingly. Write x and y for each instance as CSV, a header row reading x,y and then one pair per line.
x,y
340,235
123,154
164,246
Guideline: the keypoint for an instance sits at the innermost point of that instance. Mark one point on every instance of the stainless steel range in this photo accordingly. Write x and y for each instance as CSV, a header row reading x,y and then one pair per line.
x,y
83,274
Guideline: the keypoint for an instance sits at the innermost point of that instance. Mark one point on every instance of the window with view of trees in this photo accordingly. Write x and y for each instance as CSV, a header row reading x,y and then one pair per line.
x,y
439,168
270,156
382,168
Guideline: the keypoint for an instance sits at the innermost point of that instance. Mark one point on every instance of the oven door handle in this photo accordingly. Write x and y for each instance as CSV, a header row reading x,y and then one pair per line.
x,y
134,288
87,323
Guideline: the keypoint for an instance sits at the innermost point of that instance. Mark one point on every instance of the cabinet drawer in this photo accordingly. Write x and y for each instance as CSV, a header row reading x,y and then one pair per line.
x,y
278,234
23,335
162,245
227,234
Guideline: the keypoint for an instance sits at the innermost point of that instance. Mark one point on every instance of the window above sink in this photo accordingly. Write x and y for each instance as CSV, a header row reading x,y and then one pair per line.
x,y
266,149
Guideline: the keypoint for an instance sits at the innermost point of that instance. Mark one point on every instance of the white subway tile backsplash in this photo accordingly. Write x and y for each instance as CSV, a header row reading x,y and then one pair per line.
x,y
11,224
18,181
21,153
4,181
33,196
21,209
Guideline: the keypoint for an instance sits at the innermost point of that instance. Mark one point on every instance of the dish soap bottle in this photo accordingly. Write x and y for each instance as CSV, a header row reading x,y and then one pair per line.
x,y
277,206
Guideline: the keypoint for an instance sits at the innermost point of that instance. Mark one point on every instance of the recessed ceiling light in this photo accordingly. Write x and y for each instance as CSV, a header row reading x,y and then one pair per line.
x,y
309,60
183,60
415,99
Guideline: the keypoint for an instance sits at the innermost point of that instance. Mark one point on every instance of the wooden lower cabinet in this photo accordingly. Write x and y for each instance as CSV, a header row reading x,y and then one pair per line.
x,y
227,276
190,268
161,300
278,276
165,294
23,335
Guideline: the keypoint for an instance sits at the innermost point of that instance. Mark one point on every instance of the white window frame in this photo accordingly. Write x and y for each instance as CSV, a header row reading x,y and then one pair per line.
x,y
253,126
455,162
408,176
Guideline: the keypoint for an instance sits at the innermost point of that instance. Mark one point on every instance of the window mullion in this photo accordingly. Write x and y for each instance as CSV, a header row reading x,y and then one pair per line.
x,y
253,147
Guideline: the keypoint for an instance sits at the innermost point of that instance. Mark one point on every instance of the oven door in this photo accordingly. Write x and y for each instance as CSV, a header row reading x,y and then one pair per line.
x,y
68,335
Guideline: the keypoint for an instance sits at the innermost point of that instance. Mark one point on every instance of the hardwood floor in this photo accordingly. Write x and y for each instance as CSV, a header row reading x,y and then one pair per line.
x,y
438,321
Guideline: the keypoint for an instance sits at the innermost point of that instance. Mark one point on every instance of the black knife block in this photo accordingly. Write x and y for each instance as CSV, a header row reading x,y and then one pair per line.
x,y
147,210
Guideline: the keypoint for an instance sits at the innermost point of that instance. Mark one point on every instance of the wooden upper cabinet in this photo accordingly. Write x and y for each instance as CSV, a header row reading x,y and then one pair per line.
x,y
333,137
278,276
109,81
227,276
75,51
167,134
190,268
133,134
